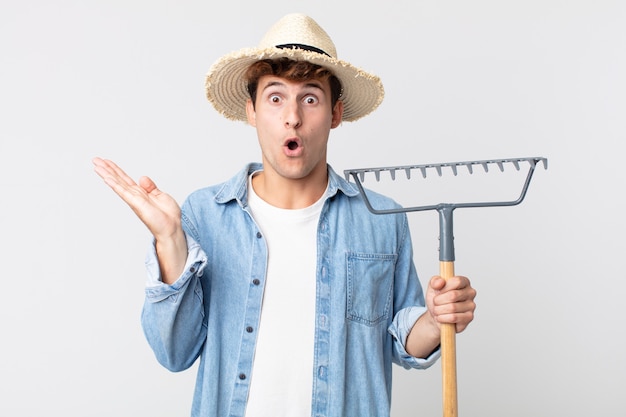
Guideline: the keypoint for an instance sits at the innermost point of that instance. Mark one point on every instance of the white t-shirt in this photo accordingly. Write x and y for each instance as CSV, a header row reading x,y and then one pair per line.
x,y
282,373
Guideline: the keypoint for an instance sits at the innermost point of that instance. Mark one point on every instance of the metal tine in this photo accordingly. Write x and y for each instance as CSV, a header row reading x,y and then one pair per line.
x,y
453,166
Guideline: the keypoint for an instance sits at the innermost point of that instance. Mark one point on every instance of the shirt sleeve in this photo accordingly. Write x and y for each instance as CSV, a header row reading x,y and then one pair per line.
x,y
196,261
400,328
410,302
173,316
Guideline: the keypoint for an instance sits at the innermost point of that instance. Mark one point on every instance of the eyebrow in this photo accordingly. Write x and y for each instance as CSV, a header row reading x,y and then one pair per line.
x,y
282,84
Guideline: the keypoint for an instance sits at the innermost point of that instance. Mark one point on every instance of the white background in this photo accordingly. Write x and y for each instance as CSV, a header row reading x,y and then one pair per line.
x,y
464,80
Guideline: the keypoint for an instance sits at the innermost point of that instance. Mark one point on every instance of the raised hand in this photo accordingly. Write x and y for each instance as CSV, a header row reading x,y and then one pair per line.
x,y
156,209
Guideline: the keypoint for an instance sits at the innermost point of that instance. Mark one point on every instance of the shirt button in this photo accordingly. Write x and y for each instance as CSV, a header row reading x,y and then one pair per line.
x,y
256,281
249,329
192,269
259,235
242,376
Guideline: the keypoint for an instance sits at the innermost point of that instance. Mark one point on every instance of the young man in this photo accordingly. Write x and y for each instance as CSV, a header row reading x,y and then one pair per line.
x,y
295,298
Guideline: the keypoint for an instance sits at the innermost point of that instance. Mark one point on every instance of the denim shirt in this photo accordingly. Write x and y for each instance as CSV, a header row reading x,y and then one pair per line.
x,y
368,297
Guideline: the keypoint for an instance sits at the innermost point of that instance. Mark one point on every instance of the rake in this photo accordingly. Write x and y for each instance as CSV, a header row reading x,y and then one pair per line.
x,y
446,240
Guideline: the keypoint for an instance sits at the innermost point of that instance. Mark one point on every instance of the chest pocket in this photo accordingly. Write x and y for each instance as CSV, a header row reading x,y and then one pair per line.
x,y
370,287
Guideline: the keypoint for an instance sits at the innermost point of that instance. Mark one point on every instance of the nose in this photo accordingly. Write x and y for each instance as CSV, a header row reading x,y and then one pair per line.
x,y
293,124
293,119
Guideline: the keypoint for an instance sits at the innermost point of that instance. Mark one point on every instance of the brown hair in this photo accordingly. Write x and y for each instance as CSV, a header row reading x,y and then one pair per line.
x,y
291,70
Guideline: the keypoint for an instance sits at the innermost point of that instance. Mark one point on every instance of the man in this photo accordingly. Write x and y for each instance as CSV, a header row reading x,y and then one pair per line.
x,y
295,298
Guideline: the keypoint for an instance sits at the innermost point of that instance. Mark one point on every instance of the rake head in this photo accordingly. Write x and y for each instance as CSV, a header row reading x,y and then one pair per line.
x,y
358,175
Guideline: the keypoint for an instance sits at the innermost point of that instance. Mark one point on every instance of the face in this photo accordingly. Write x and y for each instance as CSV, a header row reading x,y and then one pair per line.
x,y
293,122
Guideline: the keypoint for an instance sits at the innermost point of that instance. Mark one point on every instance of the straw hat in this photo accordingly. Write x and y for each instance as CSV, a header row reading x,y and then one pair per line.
x,y
298,37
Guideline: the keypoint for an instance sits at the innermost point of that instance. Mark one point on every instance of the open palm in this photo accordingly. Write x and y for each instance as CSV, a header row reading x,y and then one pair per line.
x,y
156,209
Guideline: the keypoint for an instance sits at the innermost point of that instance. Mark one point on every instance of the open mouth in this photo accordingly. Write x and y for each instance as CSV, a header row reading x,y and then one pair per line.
x,y
293,143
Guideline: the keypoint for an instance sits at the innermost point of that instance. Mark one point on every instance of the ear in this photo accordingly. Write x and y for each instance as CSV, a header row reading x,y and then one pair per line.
x,y
250,113
337,114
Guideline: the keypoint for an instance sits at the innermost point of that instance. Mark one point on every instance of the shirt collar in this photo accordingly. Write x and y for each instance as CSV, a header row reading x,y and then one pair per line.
x,y
236,188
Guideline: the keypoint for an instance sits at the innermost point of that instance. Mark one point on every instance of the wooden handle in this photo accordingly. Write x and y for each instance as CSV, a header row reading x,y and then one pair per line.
x,y
448,354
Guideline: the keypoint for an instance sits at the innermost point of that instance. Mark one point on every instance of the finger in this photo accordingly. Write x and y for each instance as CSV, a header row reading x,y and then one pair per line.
x,y
123,190
465,291
121,184
118,172
147,184
437,283
458,287
464,282
458,307
100,167
104,164
97,160
455,296
107,169
452,301
106,175
112,180
445,286
457,282
461,319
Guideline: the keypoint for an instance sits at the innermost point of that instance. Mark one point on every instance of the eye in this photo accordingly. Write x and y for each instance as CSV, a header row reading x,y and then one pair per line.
x,y
310,100
274,98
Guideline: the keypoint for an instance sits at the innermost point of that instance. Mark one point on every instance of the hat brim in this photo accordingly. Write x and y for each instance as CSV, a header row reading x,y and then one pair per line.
x,y
226,88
